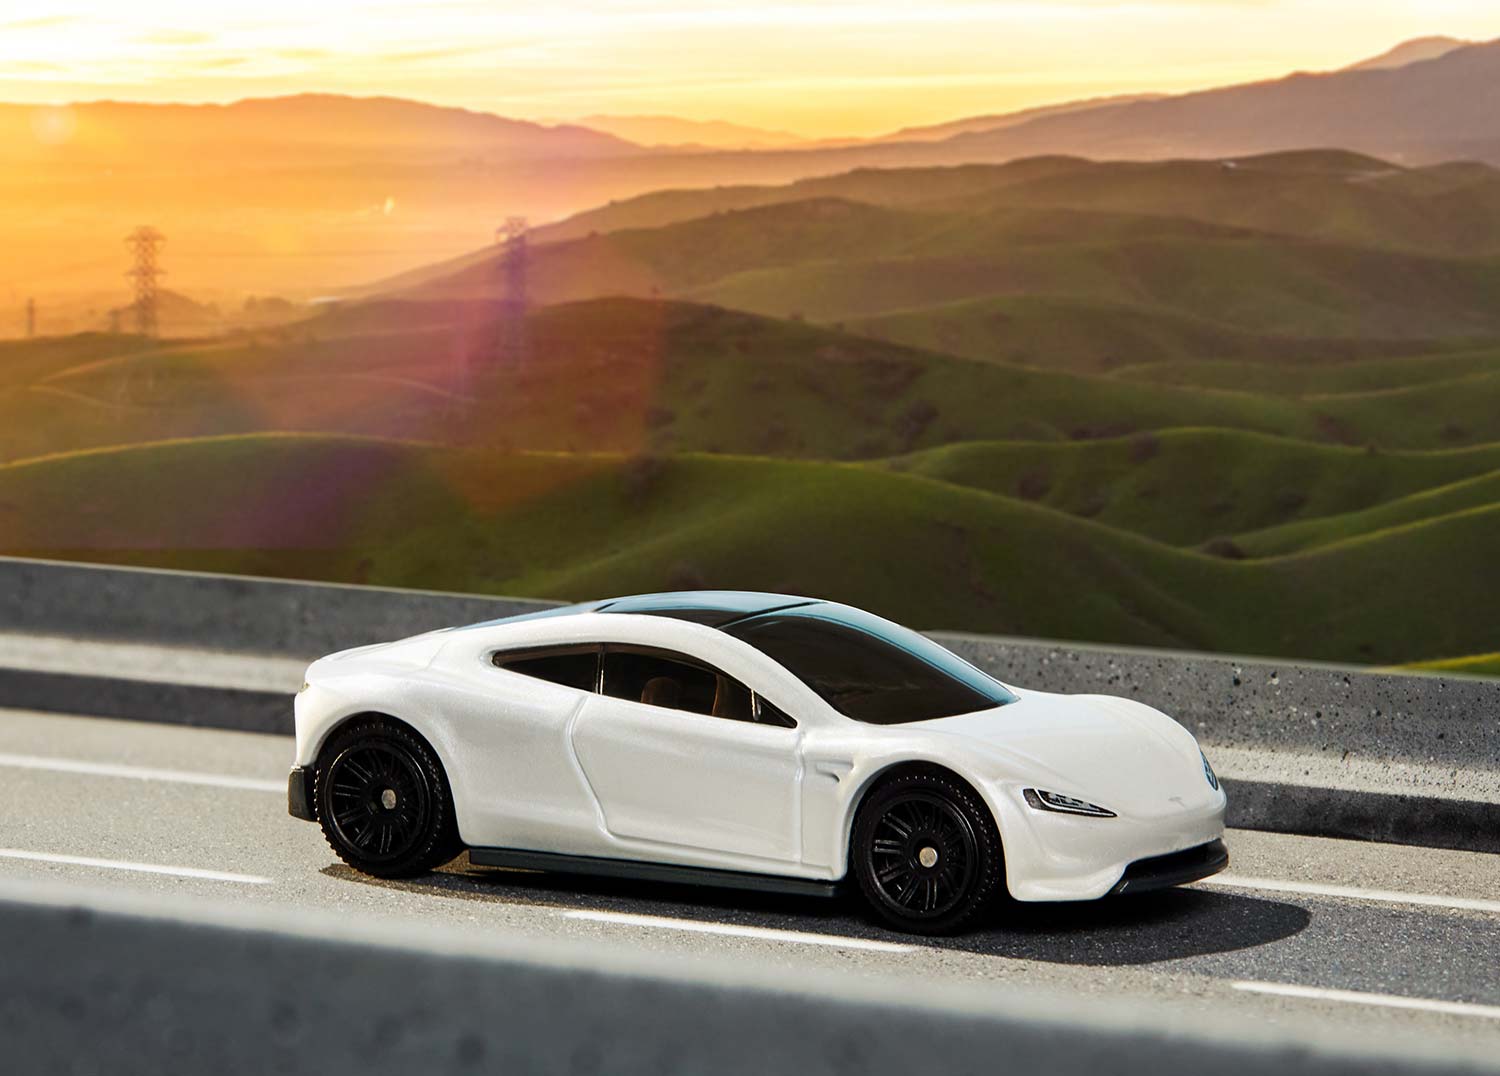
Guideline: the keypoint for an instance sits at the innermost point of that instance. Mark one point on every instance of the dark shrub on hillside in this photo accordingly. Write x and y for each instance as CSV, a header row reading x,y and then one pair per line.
x,y
916,418
775,437
640,474
1223,547
1144,446
1034,485
657,415
1331,428
1092,505
1289,501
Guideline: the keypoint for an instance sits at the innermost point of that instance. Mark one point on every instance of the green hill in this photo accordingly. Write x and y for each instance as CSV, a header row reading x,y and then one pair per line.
x,y
1281,287
1187,486
1063,333
624,375
1327,194
1312,378
926,552
836,259
1423,506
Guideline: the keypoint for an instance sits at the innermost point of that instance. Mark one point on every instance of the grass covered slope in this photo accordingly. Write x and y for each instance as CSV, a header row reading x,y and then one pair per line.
x,y
1084,336
1475,665
1186,486
1473,494
623,375
573,527
1338,375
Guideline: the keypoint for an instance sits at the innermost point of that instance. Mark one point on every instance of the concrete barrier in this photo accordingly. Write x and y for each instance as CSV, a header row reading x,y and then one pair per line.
x,y
94,983
230,612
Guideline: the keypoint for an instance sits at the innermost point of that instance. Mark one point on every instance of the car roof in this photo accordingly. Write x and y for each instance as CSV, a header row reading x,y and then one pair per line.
x,y
712,608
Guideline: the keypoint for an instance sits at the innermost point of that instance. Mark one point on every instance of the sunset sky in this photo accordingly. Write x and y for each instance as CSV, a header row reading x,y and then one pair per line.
x,y
833,67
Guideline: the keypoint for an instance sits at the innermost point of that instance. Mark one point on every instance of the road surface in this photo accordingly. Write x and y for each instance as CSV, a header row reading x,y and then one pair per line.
x,y
1300,932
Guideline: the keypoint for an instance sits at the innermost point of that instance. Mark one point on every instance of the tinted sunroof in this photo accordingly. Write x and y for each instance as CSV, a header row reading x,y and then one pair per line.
x,y
712,607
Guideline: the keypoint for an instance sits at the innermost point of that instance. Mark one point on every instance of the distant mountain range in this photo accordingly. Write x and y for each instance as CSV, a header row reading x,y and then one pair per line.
x,y
676,132
310,128
1411,52
299,195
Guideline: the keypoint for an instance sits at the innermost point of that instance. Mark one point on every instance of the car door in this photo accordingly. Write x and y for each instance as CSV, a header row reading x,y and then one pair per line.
x,y
680,753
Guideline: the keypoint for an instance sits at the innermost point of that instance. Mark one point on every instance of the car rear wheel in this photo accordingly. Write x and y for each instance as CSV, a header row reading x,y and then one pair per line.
x,y
926,853
383,800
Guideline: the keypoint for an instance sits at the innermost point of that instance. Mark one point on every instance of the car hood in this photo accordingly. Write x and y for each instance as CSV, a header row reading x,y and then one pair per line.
x,y
1115,752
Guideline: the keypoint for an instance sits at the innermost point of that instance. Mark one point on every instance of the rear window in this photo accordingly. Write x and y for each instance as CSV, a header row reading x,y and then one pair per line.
x,y
868,668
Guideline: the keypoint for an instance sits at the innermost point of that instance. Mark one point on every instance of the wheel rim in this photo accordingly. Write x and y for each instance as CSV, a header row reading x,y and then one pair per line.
x,y
378,800
922,855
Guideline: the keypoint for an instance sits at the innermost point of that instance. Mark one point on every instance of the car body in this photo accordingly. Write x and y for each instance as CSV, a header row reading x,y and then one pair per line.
x,y
733,737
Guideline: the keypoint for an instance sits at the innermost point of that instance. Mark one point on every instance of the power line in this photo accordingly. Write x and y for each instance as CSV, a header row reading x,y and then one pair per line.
x,y
513,268
143,244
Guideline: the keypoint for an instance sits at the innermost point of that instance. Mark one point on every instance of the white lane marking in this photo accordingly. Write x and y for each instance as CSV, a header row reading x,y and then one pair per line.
x,y
139,773
762,933
140,868
1387,896
1356,997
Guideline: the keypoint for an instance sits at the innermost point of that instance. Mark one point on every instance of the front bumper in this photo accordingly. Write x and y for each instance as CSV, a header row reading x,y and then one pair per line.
x,y
1178,868
299,794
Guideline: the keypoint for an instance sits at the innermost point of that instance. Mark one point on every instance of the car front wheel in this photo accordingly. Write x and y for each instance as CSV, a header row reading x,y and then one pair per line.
x,y
383,800
926,853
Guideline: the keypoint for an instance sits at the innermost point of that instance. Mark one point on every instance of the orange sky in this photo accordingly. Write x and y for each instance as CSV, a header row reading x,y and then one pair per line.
x,y
833,67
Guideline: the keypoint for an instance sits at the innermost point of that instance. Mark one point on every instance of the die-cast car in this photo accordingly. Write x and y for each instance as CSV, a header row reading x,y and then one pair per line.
x,y
752,740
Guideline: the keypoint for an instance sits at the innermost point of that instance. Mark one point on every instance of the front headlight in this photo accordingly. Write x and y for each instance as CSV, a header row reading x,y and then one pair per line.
x,y
1208,771
1038,800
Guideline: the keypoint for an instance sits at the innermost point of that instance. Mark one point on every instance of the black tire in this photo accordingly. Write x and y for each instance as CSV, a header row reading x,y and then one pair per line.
x,y
926,853
383,800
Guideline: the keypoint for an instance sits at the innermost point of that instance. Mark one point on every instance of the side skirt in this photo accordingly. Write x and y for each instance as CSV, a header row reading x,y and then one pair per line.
x,y
649,872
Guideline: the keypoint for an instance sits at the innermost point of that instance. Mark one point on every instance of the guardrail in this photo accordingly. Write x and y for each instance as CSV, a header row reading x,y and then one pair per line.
x,y
102,983
1305,748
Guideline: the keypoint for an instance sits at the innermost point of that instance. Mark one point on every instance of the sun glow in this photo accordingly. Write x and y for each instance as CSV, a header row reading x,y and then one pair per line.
x,y
822,69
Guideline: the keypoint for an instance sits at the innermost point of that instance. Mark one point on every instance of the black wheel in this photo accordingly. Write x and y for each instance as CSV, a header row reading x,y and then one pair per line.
x,y
383,800
927,854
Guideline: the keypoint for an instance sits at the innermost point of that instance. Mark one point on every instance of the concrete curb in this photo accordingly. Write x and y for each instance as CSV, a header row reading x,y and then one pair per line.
x,y
1393,818
241,709
93,988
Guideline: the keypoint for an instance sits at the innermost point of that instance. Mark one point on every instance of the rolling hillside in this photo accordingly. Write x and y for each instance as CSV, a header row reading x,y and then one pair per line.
x,y
1090,267
405,514
1251,408
1326,194
621,375
1185,487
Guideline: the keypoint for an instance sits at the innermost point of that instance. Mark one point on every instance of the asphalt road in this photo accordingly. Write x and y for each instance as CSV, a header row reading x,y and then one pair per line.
x,y
1373,938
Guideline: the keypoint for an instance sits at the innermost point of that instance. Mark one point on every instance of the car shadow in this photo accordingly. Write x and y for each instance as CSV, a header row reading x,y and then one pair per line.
x,y
1148,928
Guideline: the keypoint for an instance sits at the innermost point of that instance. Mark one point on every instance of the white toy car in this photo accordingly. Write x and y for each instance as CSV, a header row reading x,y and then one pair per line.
x,y
752,740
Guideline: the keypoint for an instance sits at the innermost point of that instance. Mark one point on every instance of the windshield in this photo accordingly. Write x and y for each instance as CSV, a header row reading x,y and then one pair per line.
x,y
868,668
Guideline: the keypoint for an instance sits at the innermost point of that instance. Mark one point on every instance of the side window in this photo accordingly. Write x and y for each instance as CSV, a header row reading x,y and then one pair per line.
x,y
574,666
658,679
768,714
